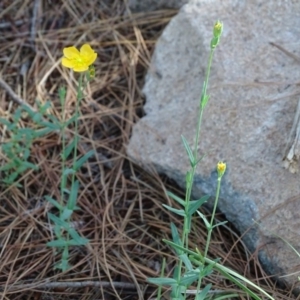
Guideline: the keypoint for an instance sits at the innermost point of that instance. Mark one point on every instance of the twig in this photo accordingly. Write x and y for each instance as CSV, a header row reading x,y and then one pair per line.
x,y
33,21
72,284
13,95
9,24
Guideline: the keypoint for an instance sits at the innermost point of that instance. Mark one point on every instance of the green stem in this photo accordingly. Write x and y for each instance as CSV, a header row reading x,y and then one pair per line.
x,y
186,227
201,107
187,218
77,106
212,217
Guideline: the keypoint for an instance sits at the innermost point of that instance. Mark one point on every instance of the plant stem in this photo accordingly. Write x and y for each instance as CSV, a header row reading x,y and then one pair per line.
x,y
212,217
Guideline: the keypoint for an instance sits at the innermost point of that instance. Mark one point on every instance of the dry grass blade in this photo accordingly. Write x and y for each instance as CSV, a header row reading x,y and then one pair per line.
x,y
120,205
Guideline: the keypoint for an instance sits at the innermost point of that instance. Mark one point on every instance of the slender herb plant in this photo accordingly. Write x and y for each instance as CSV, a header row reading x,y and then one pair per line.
x,y
194,266
66,236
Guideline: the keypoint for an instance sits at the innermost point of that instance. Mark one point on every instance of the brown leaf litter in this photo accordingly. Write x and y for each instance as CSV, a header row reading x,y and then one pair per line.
x,y
120,204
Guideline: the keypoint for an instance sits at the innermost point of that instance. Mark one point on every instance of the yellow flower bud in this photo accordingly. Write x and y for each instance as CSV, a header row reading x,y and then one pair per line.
x,y
218,28
221,168
92,71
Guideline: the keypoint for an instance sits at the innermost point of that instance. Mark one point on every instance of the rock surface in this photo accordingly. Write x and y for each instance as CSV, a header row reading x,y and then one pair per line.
x,y
253,98
150,5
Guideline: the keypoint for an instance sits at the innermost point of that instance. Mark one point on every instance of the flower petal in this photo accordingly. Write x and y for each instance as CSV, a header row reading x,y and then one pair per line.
x,y
91,59
71,52
86,50
88,54
80,68
67,63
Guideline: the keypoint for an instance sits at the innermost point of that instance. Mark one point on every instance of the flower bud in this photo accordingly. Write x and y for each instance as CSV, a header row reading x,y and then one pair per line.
x,y
221,168
218,28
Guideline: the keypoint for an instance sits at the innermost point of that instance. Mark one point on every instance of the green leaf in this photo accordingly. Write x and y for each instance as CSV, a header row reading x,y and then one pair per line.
x,y
195,204
207,224
179,212
73,195
185,259
70,121
63,265
44,131
7,166
189,278
220,224
77,238
204,292
11,178
62,95
83,159
68,150
67,172
58,221
188,151
5,122
197,162
37,117
176,238
66,213
54,202
43,108
57,243
162,281
29,165
176,198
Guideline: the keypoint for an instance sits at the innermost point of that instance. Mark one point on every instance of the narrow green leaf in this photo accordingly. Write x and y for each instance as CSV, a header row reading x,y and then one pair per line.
x,y
43,108
57,243
70,121
73,195
11,178
176,238
189,278
195,204
204,292
62,95
44,131
66,213
162,281
179,212
197,162
207,224
7,166
188,151
63,265
5,122
77,238
220,224
185,259
176,198
54,202
29,165
58,221
37,117
68,150
83,159
67,172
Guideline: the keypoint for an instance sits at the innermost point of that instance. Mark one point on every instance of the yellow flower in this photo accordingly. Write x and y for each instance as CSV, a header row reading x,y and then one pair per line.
x,y
221,168
79,61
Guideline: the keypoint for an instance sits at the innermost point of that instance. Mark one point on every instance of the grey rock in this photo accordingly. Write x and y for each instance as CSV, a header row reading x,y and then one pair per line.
x,y
253,98
150,5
